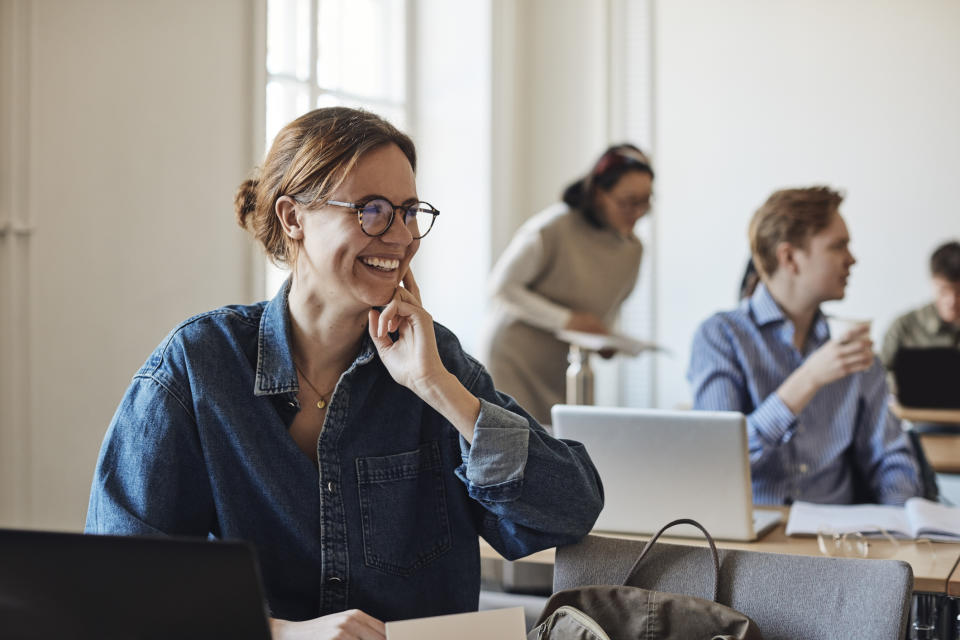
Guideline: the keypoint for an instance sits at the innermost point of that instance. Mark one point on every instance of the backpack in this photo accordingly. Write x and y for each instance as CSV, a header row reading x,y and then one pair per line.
x,y
623,612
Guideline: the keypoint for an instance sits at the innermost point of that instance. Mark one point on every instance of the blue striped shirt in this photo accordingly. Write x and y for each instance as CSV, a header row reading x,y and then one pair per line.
x,y
845,446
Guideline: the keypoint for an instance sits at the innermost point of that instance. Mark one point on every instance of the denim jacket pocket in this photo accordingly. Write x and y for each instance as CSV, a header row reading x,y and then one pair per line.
x,y
403,509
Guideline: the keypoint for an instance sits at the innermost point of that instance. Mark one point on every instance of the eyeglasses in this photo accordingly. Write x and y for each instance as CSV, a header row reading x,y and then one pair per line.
x,y
854,544
629,204
376,215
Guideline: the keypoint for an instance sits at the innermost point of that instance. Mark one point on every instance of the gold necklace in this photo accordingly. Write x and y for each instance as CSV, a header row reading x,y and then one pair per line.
x,y
321,403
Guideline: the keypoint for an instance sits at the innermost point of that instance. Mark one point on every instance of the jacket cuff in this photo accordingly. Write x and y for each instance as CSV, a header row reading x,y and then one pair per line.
x,y
493,465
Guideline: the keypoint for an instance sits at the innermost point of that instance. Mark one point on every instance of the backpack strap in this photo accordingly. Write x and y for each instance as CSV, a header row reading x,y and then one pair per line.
x,y
646,549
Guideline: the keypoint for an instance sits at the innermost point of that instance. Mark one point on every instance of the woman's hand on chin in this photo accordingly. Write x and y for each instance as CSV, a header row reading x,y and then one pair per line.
x,y
412,359
346,625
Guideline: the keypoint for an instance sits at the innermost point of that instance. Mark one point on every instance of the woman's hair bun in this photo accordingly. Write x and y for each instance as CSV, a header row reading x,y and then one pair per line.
x,y
246,200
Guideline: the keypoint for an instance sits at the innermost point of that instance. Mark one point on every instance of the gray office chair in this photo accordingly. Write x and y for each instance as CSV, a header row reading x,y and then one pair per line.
x,y
789,597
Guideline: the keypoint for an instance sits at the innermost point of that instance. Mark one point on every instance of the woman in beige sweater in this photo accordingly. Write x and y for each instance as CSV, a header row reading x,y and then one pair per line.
x,y
570,266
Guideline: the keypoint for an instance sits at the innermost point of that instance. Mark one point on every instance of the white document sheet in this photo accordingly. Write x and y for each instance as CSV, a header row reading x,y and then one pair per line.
x,y
499,624
597,341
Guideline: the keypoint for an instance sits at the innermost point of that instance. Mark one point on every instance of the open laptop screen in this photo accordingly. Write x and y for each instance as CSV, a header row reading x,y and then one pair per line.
x,y
73,586
928,378
659,465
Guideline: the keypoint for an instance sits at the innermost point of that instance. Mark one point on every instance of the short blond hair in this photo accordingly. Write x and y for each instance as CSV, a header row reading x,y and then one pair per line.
x,y
789,215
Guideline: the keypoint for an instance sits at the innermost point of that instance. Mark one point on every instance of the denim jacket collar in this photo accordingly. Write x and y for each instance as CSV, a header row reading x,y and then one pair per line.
x,y
275,369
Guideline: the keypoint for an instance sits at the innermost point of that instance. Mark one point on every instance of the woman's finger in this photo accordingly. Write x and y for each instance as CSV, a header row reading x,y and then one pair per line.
x,y
373,322
407,296
410,284
404,310
387,314
392,317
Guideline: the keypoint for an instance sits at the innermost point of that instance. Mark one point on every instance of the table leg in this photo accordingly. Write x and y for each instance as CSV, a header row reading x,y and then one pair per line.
x,y
933,616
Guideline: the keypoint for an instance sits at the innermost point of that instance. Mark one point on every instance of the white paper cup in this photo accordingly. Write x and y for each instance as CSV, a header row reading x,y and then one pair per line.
x,y
840,327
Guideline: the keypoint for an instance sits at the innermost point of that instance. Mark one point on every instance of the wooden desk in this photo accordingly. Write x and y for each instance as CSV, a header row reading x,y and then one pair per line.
x,y
936,416
942,449
934,566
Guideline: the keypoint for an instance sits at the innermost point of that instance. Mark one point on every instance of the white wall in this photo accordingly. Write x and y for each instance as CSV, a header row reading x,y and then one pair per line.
x,y
753,95
509,105
556,81
450,109
138,120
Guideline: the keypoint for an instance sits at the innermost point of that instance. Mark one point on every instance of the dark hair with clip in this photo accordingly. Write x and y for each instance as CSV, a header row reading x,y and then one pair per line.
x,y
616,161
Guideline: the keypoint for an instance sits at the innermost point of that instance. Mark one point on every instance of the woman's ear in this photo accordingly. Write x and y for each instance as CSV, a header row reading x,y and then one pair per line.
x,y
287,213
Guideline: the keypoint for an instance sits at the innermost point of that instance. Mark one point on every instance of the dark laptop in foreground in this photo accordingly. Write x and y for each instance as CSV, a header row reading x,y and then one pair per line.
x,y
658,466
82,587
928,378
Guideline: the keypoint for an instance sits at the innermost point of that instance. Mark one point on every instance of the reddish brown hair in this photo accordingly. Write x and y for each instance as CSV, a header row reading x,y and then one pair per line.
x,y
308,160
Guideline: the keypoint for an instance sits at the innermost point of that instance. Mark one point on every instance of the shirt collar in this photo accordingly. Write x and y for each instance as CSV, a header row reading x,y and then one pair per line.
x,y
764,308
766,311
821,331
276,372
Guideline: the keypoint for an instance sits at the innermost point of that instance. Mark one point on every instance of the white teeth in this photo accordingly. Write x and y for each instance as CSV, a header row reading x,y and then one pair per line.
x,y
387,264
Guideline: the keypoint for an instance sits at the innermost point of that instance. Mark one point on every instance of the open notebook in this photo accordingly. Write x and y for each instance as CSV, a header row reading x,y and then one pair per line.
x,y
918,518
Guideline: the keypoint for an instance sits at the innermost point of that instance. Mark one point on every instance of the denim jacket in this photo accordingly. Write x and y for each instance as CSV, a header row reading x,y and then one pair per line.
x,y
388,523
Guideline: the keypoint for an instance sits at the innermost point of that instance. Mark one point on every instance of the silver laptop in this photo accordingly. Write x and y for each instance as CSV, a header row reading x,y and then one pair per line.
x,y
658,466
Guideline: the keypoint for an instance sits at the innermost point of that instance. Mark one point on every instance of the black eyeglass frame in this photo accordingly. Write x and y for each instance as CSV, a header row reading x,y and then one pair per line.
x,y
423,207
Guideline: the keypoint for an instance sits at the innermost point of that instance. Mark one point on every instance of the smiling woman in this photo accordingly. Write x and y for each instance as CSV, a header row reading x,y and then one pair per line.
x,y
337,427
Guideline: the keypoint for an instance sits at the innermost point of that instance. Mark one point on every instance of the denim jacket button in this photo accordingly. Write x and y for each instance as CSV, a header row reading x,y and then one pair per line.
x,y
334,580
330,486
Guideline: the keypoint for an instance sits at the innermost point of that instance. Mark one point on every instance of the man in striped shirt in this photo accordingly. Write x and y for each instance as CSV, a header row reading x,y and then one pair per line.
x,y
816,405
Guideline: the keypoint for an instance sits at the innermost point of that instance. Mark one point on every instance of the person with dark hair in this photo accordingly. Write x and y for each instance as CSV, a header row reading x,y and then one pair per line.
x,y
571,267
337,427
936,324
818,424
749,280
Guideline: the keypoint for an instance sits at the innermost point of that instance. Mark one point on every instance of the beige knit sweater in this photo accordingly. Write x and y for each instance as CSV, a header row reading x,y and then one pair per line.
x,y
556,264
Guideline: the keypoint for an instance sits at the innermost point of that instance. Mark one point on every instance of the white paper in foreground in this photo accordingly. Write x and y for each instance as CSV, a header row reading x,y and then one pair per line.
x,y
501,624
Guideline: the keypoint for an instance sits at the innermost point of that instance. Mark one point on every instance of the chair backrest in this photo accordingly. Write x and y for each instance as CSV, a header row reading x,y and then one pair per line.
x,y
928,477
789,597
